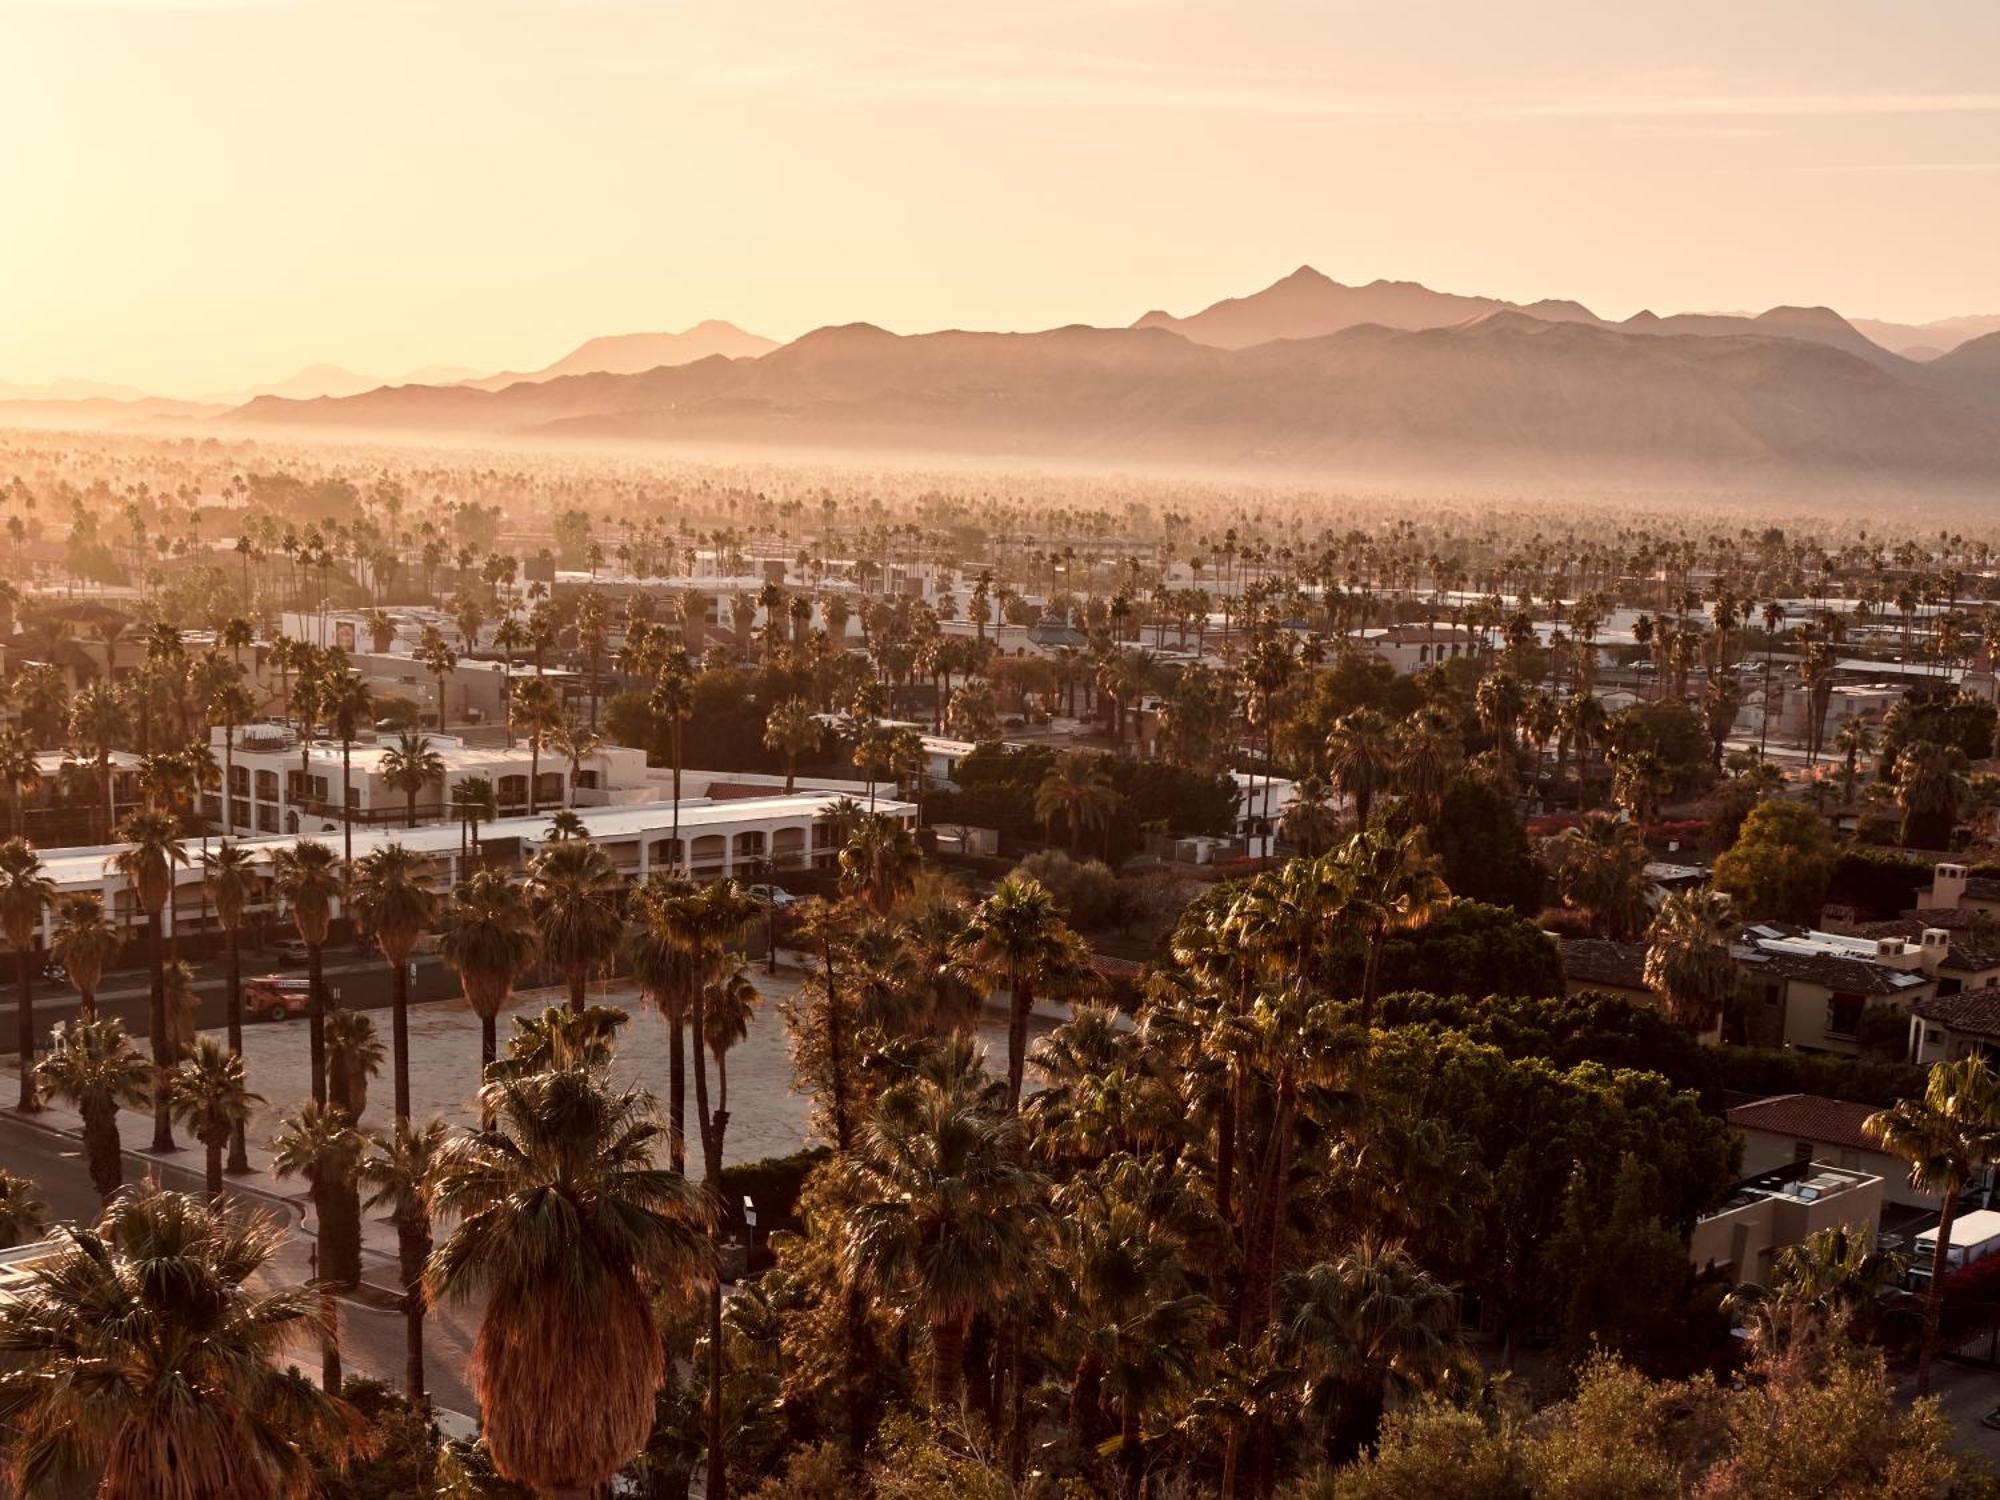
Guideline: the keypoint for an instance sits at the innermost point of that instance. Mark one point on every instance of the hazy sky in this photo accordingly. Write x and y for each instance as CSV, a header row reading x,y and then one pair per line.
x,y
196,194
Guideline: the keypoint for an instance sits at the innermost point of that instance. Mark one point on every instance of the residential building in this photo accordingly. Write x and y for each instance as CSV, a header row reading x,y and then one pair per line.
x,y
1790,1128
278,784
1809,989
1784,1206
1954,888
1411,648
1601,966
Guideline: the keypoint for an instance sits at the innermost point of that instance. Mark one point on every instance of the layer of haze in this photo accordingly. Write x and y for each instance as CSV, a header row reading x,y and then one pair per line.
x,y
199,194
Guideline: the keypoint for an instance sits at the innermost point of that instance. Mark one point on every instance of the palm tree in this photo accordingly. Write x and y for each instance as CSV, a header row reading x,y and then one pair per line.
x,y
209,1096
231,704
1930,788
145,1356
488,934
1687,957
472,797
307,877
537,711
84,942
435,652
565,1230
576,898
22,1214
410,765
1077,788
1361,756
1600,870
397,1174
152,848
25,897
320,1143
347,704
98,725
392,903
1388,883
92,1066
1369,1325
728,1002
792,731
576,743
671,702
1017,931
1830,1287
1944,1136
229,872
565,825
945,1218
879,861
20,773
353,1057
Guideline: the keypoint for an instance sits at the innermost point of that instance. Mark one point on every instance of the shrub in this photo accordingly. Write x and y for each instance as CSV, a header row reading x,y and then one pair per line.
x,y
1087,891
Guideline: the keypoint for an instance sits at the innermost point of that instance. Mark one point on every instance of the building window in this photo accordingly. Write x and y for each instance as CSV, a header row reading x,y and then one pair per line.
x,y
267,818
513,791
239,781
1843,1014
267,786
549,788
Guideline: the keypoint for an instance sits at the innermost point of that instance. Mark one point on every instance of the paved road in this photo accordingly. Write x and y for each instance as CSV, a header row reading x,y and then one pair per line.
x,y
371,1339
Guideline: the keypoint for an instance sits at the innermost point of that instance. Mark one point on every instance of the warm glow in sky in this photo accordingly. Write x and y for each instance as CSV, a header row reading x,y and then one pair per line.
x,y
200,194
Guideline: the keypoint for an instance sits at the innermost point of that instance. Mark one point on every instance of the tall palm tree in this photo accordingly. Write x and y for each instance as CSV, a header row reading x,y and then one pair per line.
x,y
306,876
93,1066
231,704
152,848
397,1174
537,710
1687,957
229,872
321,1143
392,903
728,1002
576,743
944,1217
792,731
472,798
410,765
666,971
1945,1135
1388,883
25,897
143,1355
1361,756
488,934
209,1096
1368,1325
20,774
565,1229
577,901
1930,788
671,702
353,1058
348,705
1018,932
1077,789
99,725
84,941
879,861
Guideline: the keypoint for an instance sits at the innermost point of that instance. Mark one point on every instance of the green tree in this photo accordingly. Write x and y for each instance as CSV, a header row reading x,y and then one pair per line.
x,y
1687,957
410,765
394,905
151,849
577,902
26,894
488,934
1780,865
209,1096
229,872
397,1173
93,1066
22,1214
307,877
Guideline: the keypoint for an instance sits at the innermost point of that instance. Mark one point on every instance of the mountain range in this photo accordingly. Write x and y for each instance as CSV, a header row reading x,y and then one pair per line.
x,y
1792,395
1308,375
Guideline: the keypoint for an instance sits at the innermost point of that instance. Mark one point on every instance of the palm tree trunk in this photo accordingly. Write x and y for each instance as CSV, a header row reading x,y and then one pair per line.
x,y
239,1160
399,1036
534,767
947,1368
677,1092
212,1171
24,1045
316,1022
347,801
101,1152
163,1059
1021,1000
414,1246
579,977
1934,1293
1131,1457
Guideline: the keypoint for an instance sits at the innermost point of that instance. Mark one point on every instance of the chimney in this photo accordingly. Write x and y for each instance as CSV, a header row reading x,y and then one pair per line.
x,y
1936,946
1947,887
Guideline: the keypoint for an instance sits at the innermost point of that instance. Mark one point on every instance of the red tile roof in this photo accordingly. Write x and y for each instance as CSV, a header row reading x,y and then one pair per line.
x,y
1808,1117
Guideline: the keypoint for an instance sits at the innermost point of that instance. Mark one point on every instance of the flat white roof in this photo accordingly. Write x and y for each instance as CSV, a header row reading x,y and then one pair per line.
x,y
86,866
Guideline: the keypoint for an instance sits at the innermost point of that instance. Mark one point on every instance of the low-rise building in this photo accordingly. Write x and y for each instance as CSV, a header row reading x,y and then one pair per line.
x,y
1411,648
280,784
1784,1206
1602,966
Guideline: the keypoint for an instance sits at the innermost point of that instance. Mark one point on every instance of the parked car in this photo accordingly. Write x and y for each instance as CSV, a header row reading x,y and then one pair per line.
x,y
277,997
293,950
775,895
55,973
